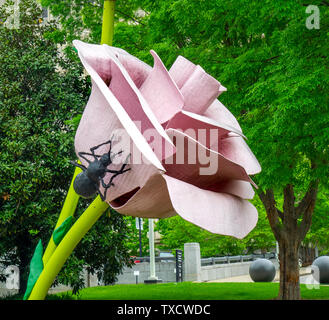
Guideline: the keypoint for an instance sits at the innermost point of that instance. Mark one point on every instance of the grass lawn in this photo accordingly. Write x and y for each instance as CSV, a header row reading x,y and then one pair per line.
x,y
190,291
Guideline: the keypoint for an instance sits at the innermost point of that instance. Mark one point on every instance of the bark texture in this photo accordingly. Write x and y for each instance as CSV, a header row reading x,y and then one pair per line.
x,y
290,228
24,253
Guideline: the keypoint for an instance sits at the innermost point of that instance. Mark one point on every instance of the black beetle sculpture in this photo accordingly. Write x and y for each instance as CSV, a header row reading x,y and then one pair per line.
x,y
87,183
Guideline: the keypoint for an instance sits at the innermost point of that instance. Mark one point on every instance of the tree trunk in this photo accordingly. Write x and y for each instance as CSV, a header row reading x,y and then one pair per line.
x,y
290,228
289,271
23,246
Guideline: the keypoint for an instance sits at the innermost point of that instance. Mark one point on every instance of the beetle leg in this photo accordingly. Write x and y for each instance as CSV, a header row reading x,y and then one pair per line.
x,y
102,144
81,154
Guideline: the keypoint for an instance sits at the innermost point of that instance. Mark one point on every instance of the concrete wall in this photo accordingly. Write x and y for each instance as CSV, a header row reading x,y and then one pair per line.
x,y
163,270
195,272
221,271
192,269
90,281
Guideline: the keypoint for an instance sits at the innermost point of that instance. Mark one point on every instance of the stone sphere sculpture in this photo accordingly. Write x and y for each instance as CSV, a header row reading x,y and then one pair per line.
x,y
262,270
322,263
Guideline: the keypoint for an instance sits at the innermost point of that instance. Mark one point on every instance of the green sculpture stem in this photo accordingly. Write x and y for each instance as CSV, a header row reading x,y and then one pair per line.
x,y
55,256
65,248
68,210
72,197
108,22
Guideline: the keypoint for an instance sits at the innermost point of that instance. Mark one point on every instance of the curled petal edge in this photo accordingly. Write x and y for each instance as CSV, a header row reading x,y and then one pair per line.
x,y
163,196
122,115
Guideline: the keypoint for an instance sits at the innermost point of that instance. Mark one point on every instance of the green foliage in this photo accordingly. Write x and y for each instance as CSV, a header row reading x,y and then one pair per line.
x,y
133,237
273,66
275,70
40,91
81,19
175,232
319,232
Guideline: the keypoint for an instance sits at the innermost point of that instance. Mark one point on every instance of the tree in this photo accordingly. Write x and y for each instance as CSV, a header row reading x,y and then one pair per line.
x,y
83,19
175,232
277,80
41,91
133,237
297,109
318,235
275,68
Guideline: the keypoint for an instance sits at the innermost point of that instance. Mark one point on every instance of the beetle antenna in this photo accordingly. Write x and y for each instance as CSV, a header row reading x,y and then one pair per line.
x,y
81,166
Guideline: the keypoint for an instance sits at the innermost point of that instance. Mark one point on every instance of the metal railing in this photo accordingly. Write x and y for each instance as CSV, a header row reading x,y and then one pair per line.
x,y
215,260
157,259
232,259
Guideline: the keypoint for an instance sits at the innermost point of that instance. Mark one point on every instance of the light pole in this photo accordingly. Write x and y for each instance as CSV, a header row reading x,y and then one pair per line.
x,y
140,236
152,278
152,256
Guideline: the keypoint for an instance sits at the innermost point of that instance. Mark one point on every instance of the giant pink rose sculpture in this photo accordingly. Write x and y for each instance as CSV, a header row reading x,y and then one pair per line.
x,y
187,151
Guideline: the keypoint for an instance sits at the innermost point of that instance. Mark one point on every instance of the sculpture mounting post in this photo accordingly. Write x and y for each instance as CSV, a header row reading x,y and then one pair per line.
x,y
108,22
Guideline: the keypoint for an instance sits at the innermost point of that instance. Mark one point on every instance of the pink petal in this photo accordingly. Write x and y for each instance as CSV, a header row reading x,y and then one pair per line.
x,y
242,189
198,88
194,163
232,147
104,116
161,92
111,108
181,70
199,91
138,110
235,149
216,212
97,57
218,112
185,120
163,196
150,201
98,124
137,69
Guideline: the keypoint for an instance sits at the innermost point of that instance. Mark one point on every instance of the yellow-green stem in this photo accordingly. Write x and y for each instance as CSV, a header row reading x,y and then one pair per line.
x,y
65,248
55,256
108,22
68,209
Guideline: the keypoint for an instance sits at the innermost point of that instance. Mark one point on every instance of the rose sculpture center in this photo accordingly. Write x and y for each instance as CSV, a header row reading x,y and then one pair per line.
x,y
187,153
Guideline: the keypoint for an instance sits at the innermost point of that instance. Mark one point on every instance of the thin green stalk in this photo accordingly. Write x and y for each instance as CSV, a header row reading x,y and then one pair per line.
x,y
108,22
68,209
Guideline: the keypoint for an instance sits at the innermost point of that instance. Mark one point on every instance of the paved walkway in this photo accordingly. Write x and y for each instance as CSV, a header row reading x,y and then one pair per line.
x,y
304,273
